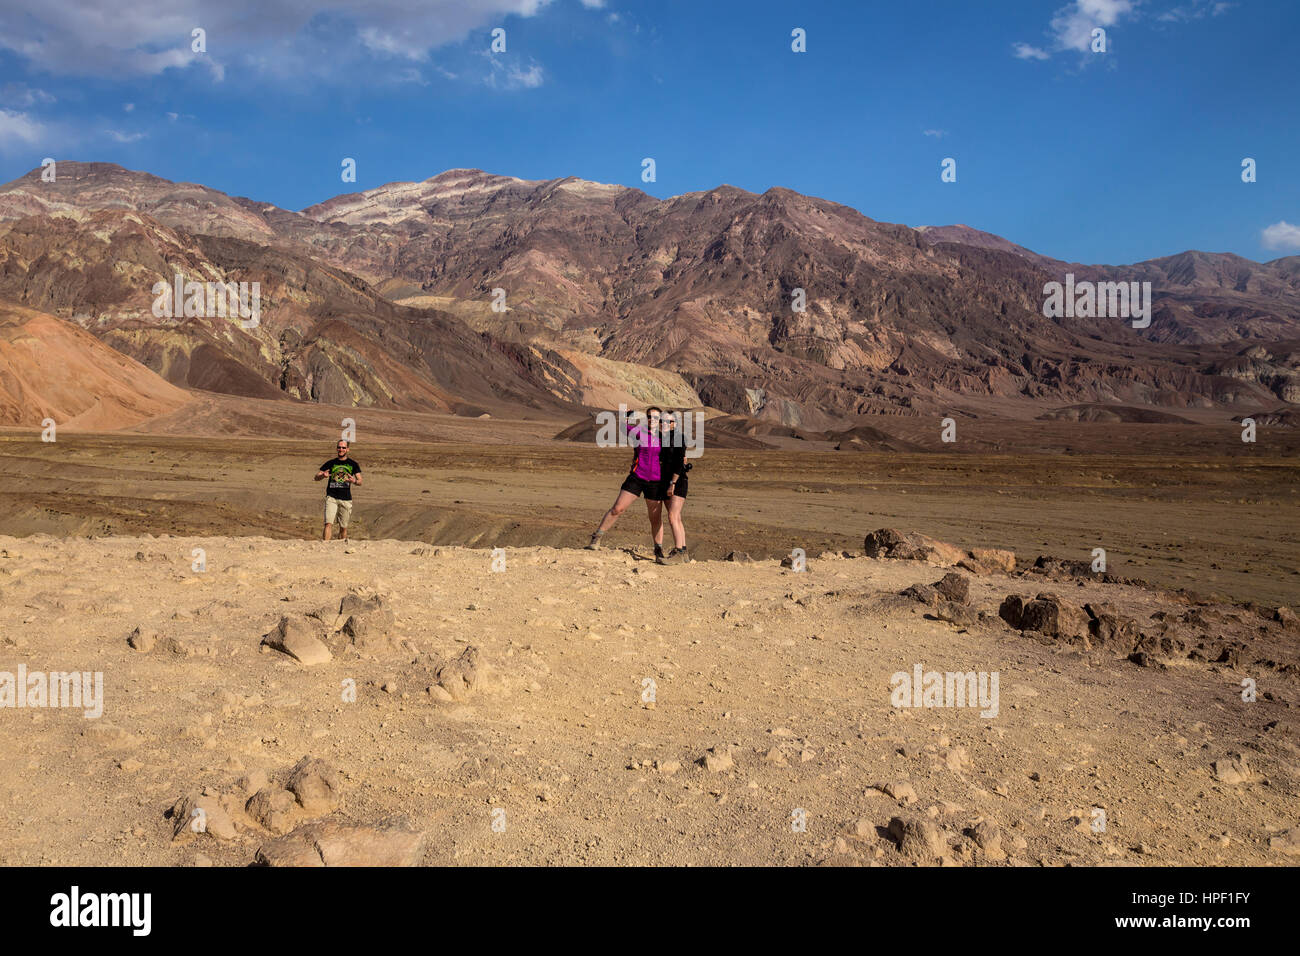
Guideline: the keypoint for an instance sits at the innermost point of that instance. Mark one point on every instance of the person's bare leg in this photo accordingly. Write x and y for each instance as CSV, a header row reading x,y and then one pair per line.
x,y
620,505
675,506
343,533
655,509
329,530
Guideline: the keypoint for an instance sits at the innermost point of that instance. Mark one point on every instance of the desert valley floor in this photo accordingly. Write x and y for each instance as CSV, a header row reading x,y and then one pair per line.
x,y
501,716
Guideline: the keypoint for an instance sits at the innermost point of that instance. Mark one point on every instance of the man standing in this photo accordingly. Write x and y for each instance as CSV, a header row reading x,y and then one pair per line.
x,y
342,473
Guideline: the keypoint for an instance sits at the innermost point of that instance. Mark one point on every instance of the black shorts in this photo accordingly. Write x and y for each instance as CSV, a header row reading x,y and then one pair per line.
x,y
679,490
653,490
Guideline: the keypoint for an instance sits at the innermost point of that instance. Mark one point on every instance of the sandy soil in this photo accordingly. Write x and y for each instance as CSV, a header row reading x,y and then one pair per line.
x,y
1226,525
786,675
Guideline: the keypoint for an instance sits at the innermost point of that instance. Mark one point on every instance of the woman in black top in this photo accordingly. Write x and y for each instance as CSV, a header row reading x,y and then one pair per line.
x,y
672,471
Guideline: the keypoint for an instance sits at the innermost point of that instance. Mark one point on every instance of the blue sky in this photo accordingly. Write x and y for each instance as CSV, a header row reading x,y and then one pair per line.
x,y
1095,157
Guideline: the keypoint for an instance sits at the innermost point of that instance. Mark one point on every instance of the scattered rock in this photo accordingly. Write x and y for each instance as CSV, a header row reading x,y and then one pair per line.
x,y
1288,842
369,622
910,546
955,587
1231,770
392,842
273,809
959,614
295,636
1111,630
900,790
985,560
718,759
1048,615
460,677
196,814
918,839
253,781
987,835
317,786
924,593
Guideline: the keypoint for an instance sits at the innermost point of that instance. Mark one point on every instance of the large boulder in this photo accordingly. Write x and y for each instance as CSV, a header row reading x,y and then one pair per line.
x,y
954,587
391,842
987,560
296,636
910,546
1049,615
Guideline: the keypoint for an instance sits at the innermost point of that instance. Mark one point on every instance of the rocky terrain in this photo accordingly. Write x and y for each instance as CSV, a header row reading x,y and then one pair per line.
x,y
293,703
385,299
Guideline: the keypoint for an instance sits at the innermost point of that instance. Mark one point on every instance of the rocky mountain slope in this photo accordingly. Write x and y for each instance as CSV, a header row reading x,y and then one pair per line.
x,y
701,286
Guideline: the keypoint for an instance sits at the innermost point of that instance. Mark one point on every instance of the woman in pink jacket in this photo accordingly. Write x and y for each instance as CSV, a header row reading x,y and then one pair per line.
x,y
643,478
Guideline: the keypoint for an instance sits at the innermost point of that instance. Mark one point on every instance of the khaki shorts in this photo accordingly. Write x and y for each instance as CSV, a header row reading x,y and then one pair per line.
x,y
341,509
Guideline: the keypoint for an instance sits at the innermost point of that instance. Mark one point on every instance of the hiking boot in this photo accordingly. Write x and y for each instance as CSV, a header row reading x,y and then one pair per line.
x,y
677,556
594,544
659,552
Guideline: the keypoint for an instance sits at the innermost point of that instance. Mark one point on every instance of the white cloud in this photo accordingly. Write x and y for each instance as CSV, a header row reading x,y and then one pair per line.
x,y
146,37
1195,10
1023,51
1281,235
512,76
16,127
1072,25
593,4
128,107
21,96
936,133
121,137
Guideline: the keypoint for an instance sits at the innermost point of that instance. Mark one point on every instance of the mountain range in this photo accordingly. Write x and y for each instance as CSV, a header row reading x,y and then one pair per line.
x,y
480,295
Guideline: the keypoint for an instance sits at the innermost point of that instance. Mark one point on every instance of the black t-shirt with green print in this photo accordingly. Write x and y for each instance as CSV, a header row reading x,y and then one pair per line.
x,y
336,468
